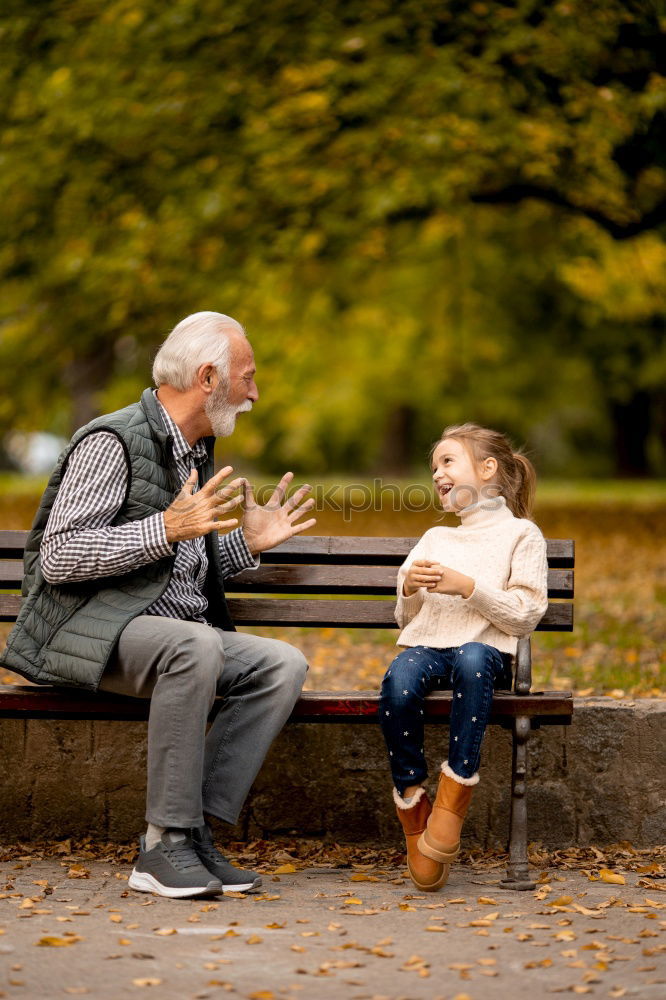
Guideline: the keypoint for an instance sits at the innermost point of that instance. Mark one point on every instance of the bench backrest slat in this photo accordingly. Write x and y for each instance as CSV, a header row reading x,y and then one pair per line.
x,y
352,614
300,578
335,549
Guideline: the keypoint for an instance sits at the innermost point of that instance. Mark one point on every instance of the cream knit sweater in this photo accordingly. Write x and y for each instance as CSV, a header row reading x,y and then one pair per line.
x,y
505,556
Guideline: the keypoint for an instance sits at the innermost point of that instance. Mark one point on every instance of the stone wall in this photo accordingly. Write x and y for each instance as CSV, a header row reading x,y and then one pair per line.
x,y
600,780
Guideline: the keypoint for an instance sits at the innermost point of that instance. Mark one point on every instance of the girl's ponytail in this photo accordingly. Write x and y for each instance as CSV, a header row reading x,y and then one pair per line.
x,y
525,486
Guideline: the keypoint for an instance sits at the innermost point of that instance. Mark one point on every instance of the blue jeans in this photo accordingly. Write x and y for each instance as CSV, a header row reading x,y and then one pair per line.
x,y
472,671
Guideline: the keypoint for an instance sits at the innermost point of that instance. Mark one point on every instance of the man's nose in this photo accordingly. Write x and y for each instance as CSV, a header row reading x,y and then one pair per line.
x,y
253,393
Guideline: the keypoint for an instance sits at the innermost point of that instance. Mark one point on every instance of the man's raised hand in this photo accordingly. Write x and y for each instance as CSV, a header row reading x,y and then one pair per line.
x,y
192,515
265,527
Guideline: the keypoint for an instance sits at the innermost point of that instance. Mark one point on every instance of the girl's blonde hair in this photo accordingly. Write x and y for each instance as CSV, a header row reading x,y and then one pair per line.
x,y
516,476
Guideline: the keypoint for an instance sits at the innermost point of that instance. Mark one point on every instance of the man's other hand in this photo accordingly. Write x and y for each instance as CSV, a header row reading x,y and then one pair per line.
x,y
267,526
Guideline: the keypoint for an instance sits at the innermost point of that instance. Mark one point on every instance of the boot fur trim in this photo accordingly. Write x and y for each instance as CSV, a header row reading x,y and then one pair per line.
x,y
474,780
400,802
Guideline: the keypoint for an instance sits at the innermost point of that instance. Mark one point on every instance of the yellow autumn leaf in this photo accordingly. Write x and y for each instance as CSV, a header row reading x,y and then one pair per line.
x,y
487,901
78,871
284,870
561,901
254,939
614,878
115,918
146,982
440,930
353,902
165,931
363,878
262,995
58,942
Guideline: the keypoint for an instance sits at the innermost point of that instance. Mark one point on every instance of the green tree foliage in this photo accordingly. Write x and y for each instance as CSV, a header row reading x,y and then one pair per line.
x,y
422,210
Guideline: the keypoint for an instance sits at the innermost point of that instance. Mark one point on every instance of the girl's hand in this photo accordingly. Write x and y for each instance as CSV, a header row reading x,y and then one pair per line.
x,y
421,574
450,581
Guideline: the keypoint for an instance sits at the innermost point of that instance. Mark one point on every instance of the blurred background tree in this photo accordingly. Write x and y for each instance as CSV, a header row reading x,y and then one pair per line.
x,y
422,211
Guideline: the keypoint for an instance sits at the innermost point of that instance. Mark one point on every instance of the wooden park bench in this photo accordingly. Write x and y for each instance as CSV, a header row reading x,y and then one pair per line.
x,y
340,582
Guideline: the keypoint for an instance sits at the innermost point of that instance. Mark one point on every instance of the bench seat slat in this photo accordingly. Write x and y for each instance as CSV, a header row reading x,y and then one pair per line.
x,y
42,701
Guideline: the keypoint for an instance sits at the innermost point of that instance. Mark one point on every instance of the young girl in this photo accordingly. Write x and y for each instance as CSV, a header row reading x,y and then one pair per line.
x,y
465,596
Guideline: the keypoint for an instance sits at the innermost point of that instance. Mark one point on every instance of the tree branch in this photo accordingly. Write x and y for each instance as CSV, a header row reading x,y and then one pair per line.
x,y
514,193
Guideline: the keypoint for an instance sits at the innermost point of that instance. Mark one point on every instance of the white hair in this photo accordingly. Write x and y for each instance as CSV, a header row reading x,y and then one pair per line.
x,y
199,339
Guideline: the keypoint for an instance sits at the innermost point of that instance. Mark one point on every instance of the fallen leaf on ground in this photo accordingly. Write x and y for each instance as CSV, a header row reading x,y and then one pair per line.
x,y
78,871
614,878
58,942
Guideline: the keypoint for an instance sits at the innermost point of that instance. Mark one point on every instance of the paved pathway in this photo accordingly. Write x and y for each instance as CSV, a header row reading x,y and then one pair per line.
x,y
74,929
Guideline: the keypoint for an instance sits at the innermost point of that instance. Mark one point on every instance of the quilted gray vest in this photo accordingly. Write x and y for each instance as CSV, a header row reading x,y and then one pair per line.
x,y
65,634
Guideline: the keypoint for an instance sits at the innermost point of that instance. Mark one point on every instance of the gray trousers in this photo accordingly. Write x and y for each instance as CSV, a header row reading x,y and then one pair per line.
x,y
181,666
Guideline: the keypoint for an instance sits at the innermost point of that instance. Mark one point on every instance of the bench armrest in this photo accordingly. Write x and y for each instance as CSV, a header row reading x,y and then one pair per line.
x,y
523,667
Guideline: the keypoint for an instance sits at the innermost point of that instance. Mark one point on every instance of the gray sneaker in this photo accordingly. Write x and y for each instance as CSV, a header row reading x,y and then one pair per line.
x,y
172,868
232,879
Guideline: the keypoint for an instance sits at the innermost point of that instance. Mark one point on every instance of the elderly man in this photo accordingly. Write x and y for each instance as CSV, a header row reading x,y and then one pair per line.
x,y
125,578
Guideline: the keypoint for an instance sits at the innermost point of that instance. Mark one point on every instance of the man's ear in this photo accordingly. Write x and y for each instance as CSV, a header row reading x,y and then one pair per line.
x,y
206,377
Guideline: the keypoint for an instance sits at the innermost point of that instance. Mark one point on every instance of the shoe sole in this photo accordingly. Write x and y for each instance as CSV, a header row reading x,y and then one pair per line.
x,y
242,886
432,886
143,882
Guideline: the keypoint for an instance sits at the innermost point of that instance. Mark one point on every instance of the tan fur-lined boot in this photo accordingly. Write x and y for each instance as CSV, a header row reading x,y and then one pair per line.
x,y
427,875
440,841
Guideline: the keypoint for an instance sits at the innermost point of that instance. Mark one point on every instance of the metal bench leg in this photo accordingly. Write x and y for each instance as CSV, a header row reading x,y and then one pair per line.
x,y
517,874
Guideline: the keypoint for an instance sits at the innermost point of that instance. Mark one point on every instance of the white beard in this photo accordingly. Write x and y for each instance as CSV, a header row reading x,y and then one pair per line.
x,y
221,414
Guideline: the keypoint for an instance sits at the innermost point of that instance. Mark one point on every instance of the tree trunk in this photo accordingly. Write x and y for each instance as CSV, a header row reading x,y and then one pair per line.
x,y
396,457
84,378
631,431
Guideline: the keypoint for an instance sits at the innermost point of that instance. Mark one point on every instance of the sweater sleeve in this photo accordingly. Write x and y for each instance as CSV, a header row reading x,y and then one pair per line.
x,y
407,608
517,609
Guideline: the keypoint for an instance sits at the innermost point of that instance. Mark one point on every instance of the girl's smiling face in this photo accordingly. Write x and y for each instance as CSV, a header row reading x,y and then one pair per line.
x,y
458,478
